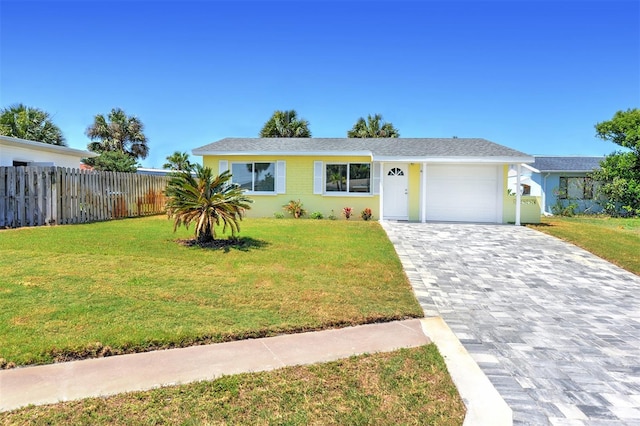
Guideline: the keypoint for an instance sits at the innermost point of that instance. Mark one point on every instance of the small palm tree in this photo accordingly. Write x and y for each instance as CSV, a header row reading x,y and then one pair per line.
x,y
206,200
285,124
373,127
178,161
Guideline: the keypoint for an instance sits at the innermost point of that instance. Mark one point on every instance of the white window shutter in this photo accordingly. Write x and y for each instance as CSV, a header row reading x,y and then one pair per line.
x,y
223,166
281,174
317,177
376,178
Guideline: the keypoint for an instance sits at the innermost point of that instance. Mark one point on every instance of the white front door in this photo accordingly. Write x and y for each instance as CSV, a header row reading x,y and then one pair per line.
x,y
395,189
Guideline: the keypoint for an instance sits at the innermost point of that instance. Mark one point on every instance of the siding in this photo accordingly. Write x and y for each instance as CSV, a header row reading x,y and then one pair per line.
x,y
299,185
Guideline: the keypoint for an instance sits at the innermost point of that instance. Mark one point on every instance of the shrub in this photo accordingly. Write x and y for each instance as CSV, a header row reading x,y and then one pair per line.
x,y
332,216
295,209
366,214
278,215
317,215
347,212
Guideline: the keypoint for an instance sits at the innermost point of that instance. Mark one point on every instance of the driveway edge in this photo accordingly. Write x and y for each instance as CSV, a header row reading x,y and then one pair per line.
x,y
484,404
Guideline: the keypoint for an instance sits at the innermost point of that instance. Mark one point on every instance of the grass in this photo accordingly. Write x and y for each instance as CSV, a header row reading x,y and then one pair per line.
x,y
409,386
79,291
614,239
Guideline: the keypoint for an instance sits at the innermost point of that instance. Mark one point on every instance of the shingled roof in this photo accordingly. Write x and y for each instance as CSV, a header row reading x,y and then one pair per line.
x,y
566,164
417,149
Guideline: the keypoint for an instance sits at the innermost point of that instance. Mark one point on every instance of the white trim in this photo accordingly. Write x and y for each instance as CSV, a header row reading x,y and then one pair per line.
x,y
281,177
24,143
533,169
284,153
454,160
518,193
223,166
317,177
377,172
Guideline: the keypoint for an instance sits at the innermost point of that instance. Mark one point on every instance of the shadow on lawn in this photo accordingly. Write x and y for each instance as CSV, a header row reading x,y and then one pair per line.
x,y
539,225
231,243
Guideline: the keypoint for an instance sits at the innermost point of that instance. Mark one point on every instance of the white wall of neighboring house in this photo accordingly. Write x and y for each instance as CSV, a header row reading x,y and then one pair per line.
x,y
526,178
39,154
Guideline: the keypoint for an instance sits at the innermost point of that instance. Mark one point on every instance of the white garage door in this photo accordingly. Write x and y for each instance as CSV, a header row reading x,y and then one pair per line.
x,y
463,193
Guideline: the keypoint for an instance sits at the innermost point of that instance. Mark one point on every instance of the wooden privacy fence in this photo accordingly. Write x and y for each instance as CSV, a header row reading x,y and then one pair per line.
x,y
34,196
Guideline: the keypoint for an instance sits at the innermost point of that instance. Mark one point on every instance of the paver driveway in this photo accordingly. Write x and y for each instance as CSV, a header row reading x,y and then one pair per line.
x,y
555,328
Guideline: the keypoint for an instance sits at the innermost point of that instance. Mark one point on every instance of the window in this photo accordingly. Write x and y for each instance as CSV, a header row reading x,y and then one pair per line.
x,y
349,178
576,188
255,177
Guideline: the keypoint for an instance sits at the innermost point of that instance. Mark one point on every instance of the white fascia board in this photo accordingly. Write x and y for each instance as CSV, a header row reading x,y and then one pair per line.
x,y
23,143
533,169
458,160
284,153
567,171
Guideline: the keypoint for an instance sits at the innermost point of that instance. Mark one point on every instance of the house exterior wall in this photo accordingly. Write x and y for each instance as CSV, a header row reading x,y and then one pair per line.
x,y
550,184
9,154
299,182
414,191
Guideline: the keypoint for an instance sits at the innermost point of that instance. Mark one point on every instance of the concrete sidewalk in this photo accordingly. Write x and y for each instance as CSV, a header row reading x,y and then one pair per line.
x,y
125,373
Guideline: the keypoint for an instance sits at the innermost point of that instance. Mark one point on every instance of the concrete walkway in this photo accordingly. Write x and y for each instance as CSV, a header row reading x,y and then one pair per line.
x,y
67,381
555,328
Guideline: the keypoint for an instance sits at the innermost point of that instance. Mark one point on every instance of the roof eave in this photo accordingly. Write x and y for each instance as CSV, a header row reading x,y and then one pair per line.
x,y
57,149
283,153
428,159
567,171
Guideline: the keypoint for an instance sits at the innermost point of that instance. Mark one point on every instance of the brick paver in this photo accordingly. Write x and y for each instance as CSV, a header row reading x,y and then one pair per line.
x,y
555,328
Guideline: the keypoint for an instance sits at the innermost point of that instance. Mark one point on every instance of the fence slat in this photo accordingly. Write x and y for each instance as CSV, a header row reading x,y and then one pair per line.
x,y
35,196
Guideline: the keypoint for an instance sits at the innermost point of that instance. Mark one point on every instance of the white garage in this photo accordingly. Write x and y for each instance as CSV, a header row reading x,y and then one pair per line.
x,y
463,193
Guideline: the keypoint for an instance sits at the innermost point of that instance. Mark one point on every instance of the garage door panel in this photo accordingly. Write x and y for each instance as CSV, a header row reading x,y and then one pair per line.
x,y
462,193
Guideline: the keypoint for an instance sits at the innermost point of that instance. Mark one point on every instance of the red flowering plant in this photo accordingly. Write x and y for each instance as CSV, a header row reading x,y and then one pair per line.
x,y
366,214
347,212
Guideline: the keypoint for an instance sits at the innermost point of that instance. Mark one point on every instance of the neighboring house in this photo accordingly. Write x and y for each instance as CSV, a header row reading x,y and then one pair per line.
x,y
152,172
155,172
22,152
415,179
561,181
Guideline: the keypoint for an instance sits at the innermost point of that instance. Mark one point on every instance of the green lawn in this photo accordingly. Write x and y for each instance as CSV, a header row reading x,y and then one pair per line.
x,y
409,386
614,239
123,286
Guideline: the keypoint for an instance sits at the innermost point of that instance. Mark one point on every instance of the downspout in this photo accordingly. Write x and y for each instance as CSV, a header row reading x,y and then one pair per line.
x,y
518,193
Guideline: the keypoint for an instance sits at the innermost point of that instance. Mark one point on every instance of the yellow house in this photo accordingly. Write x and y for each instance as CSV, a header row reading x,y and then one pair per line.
x,y
415,179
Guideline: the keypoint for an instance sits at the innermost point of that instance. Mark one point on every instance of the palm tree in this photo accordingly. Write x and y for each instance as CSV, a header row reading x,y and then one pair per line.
x,y
206,200
285,124
373,128
118,132
178,161
20,121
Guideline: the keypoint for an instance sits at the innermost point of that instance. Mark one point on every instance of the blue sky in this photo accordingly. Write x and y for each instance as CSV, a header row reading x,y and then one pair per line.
x,y
532,75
